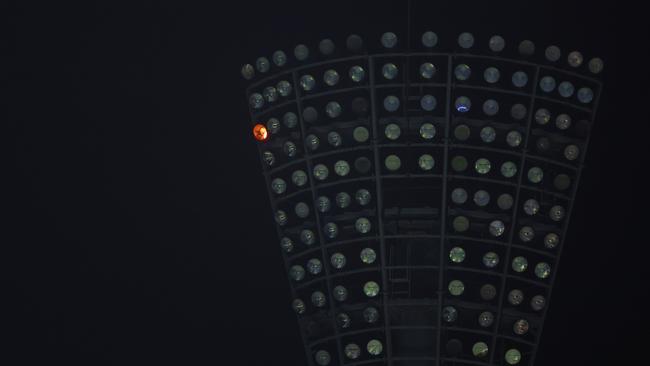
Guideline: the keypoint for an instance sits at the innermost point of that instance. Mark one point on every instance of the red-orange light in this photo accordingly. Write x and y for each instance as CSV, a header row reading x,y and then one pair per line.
x,y
260,132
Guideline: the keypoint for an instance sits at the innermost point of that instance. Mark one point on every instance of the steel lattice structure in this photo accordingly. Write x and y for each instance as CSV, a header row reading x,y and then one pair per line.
x,y
422,196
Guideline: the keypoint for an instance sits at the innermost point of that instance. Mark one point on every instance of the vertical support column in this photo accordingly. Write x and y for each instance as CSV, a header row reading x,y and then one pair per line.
x,y
443,212
513,221
380,209
319,227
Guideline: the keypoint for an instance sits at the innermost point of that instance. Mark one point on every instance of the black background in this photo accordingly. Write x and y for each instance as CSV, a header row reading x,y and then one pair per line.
x,y
138,228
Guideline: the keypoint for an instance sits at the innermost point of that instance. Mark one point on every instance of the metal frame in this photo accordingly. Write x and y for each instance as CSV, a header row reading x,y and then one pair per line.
x,y
442,267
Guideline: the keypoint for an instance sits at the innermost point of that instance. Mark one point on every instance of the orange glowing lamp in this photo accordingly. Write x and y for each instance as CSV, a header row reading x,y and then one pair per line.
x,y
260,133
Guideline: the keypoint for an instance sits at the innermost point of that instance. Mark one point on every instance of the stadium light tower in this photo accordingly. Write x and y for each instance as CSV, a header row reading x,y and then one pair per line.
x,y
422,196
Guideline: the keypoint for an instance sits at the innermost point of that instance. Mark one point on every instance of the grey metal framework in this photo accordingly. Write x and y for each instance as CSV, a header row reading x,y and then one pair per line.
x,y
414,220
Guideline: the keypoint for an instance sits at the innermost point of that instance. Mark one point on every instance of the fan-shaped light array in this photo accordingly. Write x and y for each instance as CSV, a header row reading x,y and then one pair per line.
x,y
352,150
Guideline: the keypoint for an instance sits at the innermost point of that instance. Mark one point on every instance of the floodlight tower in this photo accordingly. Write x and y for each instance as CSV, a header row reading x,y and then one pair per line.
x,y
422,196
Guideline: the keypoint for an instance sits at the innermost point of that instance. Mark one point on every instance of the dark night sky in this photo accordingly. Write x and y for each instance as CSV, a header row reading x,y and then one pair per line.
x,y
138,228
